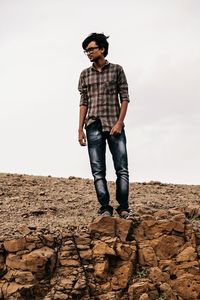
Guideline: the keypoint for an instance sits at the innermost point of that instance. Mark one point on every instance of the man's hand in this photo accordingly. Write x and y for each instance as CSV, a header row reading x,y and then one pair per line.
x,y
81,137
117,129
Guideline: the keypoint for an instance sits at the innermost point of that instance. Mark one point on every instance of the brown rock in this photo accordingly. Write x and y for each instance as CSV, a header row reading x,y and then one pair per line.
x,y
69,262
157,276
179,217
105,287
82,240
167,246
167,265
178,226
80,284
102,248
11,288
123,228
121,275
144,297
15,244
101,269
109,296
192,211
105,226
187,287
167,292
191,267
160,214
125,252
109,226
60,296
21,277
188,254
86,254
147,255
23,229
34,261
137,289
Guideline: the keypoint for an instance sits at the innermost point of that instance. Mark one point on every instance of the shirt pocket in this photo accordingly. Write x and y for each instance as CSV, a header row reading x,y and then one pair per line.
x,y
111,87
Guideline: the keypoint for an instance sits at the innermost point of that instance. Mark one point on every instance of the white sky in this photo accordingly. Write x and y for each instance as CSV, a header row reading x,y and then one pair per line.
x,y
157,43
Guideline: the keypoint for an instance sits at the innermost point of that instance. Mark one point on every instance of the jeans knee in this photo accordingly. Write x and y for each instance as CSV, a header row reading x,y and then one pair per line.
x,y
99,175
123,174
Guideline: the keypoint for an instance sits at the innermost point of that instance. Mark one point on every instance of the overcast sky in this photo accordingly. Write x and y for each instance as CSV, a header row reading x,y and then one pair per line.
x,y
157,43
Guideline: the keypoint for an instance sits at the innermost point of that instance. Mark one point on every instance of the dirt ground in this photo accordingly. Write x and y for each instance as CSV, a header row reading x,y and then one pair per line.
x,y
41,202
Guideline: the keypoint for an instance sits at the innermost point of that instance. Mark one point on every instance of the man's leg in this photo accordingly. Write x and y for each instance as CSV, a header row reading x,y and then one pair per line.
x,y
117,145
97,149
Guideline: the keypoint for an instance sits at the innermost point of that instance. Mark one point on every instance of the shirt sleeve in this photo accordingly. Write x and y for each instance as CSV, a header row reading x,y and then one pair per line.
x,y
83,91
123,86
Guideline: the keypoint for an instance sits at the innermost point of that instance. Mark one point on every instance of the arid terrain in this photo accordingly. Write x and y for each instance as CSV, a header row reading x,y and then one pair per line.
x,y
56,202
53,246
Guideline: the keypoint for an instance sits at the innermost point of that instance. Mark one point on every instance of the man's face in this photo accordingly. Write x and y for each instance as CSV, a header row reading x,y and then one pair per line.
x,y
93,51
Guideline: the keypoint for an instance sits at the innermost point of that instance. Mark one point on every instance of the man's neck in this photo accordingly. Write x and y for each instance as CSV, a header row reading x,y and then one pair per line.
x,y
100,63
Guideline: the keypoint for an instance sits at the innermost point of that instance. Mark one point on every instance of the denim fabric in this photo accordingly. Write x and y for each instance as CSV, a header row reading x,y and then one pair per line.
x,y
96,140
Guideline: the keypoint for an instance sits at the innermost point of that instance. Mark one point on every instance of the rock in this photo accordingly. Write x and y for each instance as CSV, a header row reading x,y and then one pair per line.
x,y
112,227
102,248
138,288
121,275
23,229
101,269
157,276
69,262
13,287
87,254
187,287
192,211
38,261
126,251
123,228
188,254
60,296
105,226
167,246
147,256
108,296
167,292
144,297
15,244
191,267
21,277
82,240
157,258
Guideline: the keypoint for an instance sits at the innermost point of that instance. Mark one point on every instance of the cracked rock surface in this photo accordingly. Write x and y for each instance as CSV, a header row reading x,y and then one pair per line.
x,y
54,247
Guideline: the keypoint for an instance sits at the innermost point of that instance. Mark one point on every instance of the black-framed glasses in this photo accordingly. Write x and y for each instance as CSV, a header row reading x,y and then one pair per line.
x,y
90,50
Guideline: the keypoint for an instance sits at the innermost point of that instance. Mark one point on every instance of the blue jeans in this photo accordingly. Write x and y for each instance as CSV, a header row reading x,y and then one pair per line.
x,y
96,140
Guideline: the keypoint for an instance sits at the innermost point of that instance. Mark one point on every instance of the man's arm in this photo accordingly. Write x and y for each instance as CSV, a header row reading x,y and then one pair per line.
x,y
83,109
117,128
124,99
81,134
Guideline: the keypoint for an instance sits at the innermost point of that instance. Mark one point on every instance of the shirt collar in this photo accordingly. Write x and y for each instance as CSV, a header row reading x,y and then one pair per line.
x,y
106,63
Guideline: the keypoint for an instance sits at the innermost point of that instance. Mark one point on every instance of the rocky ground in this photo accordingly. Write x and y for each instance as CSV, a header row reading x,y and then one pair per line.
x,y
40,201
53,246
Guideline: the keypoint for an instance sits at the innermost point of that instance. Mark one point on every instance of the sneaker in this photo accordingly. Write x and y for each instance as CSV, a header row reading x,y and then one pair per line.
x,y
125,214
108,211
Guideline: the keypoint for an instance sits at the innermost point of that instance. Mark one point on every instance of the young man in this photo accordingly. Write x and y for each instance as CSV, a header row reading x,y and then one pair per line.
x,y
103,105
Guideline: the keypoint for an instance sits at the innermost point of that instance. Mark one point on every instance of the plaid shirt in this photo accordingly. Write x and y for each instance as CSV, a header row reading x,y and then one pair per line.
x,y
101,92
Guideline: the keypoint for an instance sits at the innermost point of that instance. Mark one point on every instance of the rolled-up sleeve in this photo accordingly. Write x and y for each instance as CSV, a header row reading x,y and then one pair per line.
x,y
83,91
123,86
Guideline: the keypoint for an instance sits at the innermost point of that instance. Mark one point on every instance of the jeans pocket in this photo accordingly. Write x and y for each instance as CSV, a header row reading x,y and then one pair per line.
x,y
94,131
